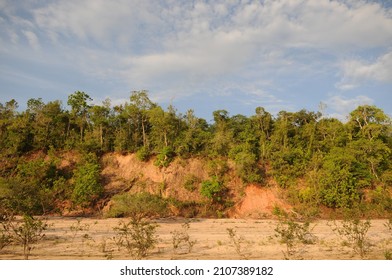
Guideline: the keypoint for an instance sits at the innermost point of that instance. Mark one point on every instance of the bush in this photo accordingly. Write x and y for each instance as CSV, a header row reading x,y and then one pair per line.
x,y
143,154
191,182
381,197
212,189
181,240
354,231
137,205
290,232
165,157
238,242
137,236
26,232
87,186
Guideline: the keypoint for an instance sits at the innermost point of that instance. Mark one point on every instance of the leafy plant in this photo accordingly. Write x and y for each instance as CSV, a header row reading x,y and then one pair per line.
x,y
181,239
291,233
191,182
238,242
82,229
139,205
87,183
26,232
212,189
143,154
164,158
354,233
137,236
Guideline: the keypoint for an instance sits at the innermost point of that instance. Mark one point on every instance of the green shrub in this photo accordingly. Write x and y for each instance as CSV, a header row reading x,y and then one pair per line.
x,y
191,182
87,186
165,157
137,205
291,232
353,231
137,236
26,232
212,189
143,154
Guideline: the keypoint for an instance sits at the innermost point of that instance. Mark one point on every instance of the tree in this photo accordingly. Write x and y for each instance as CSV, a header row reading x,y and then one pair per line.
x,y
340,177
164,127
99,116
369,122
193,136
212,189
48,123
140,105
79,110
263,123
222,136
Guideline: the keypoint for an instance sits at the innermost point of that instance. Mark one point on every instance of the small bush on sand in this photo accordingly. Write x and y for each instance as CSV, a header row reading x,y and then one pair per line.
x,y
26,232
292,233
238,242
181,240
353,231
137,236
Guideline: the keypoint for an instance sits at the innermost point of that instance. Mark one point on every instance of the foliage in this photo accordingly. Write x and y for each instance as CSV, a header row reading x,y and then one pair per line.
x,y
87,186
143,154
181,240
246,164
140,205
164,157
137,236
354,232
344,159
191,183
291,232
238,242
32,187
212,189
26,232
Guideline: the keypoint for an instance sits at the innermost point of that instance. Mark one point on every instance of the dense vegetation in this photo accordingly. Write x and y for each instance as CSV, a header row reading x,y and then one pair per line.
x,y
321,161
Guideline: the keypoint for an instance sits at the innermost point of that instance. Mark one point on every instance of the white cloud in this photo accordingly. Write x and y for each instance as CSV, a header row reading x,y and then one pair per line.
x,y
32,39
356,72
341,106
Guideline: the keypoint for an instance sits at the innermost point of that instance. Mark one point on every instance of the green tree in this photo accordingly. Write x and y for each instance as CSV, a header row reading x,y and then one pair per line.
x,y
139,107
48,124
164,127
340,179
79,111
100,118
193,136
222,135
87,186
263,123
369,122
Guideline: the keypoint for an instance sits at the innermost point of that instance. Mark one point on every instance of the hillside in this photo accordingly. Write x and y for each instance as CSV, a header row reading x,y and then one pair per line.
x,y
126,173
111,160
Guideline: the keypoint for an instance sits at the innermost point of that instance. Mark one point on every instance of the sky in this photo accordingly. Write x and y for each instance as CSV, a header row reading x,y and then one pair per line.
x,y
234,55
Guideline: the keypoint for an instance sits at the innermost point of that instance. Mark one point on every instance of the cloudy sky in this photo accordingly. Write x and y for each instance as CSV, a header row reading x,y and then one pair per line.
x,y
205,55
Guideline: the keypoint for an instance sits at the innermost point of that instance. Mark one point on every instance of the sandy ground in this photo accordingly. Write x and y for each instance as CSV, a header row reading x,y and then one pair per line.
x,y
86,238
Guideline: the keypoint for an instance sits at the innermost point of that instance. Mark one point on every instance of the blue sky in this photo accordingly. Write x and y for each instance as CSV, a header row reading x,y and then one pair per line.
x,y
205,55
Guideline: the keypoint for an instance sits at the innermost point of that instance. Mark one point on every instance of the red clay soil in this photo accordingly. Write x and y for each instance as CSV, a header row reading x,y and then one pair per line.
x,y
258,202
